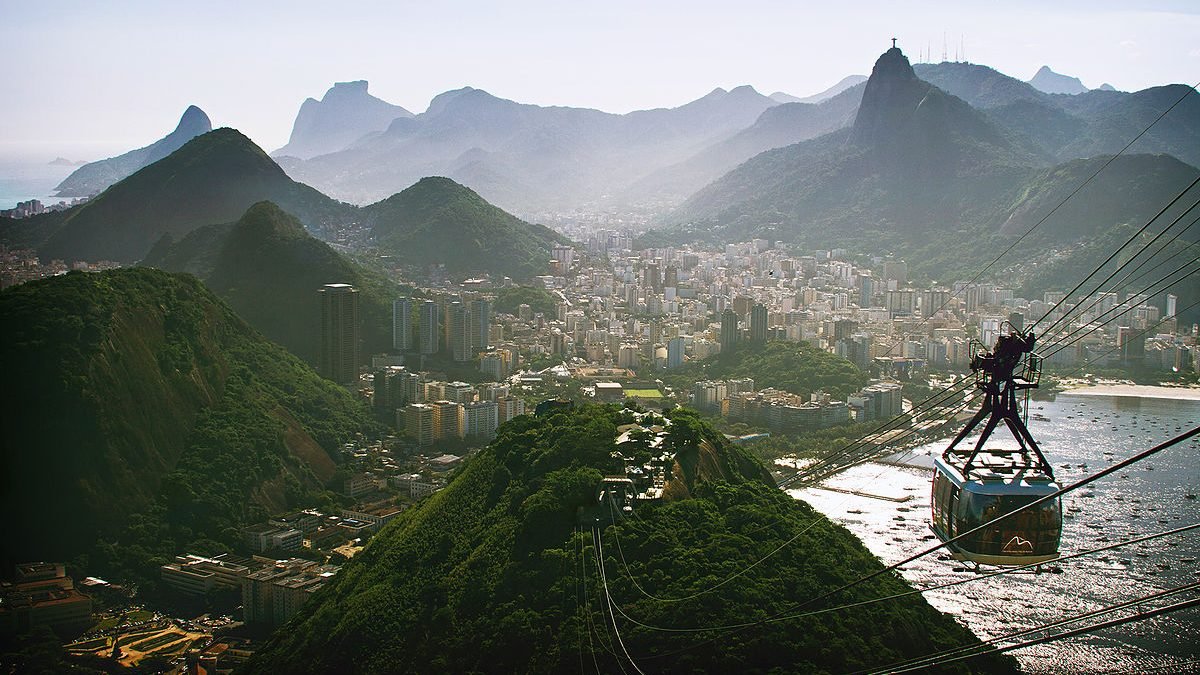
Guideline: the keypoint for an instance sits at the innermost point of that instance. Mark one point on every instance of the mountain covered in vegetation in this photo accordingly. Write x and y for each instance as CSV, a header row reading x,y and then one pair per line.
x,y
92,178
216,177
268,268
795,367
213,178
499,571
152,420
438,221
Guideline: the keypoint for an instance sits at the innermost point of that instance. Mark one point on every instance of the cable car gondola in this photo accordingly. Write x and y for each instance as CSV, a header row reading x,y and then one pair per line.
x,y
975,486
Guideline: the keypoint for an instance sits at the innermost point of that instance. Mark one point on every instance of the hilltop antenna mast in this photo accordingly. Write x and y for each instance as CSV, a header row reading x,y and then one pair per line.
x,y
943,46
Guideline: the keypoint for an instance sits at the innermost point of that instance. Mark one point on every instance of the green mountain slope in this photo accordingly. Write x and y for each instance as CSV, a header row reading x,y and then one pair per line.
x,y
268,268
796,367
151,417
495,574
213,178
438,221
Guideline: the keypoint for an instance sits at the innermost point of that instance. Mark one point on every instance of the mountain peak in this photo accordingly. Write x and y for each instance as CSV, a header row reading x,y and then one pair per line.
x,y
346,113
744,90
354,87
892,89
1050,82
94,177
893,64
194,122
266,220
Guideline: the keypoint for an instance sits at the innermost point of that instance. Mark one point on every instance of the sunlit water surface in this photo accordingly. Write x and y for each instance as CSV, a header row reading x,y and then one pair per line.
x,y
1080,434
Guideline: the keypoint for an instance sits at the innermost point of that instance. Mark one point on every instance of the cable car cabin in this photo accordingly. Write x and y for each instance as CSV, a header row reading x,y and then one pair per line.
x,y
998,482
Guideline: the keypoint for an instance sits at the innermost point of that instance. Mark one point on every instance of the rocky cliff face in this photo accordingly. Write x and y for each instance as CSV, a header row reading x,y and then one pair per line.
x,y
1050,82
345,114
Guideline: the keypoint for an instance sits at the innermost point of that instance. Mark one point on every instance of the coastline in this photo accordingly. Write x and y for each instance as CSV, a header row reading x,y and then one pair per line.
x,y
1114,388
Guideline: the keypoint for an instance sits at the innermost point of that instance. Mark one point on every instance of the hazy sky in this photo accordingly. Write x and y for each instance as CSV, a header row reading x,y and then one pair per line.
x,y
92,78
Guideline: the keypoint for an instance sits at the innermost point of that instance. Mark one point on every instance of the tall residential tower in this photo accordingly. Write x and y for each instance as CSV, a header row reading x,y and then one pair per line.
x,y
339,333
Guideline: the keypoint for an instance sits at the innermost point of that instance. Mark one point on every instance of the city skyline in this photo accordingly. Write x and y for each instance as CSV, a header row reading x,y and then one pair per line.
x,y
80,80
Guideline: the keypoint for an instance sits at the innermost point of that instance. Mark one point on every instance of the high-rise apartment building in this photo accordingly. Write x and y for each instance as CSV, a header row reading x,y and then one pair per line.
x,y
479,419
417,419
458,336
339,333
481,319
729,331
402,334
675,352
446,422
427,336
758,324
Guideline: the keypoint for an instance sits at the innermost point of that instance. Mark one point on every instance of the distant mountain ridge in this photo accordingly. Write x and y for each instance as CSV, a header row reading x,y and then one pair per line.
x,y
1050,82
527,158
345,114
842,85
94,177
924,174
777,127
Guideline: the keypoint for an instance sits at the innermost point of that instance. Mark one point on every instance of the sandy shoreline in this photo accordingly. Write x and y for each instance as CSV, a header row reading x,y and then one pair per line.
x,y
1132,390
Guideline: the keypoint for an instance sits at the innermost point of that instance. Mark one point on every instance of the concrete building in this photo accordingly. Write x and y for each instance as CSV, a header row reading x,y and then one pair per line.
x,y
480,419
758,324
41,594
457,330
417,420
263,537
402,332
274,594
458,392
198,575
509,407
480,323
729,331
446,420
877,401
339,333
428,328
675,352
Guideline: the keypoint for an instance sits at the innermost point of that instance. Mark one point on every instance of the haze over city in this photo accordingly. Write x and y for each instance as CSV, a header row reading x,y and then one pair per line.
x,y
687,337
87,80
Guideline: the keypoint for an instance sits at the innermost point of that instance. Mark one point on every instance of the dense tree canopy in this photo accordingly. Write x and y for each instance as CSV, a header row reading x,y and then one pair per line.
x,y
497,572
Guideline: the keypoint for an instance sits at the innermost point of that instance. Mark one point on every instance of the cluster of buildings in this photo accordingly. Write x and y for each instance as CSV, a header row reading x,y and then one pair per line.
x,y
428,410
738,400
41,594
22,264
639,312
35,207
272,591
658,308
